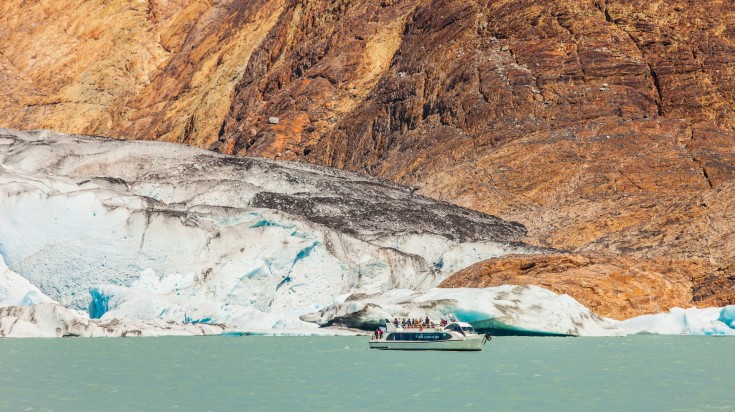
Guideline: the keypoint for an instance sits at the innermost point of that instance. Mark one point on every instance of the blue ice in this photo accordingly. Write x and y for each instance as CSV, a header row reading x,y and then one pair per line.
x,y
99,305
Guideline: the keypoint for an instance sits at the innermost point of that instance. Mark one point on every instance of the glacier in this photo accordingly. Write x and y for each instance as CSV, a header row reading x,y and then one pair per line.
x,y
101,237
157,231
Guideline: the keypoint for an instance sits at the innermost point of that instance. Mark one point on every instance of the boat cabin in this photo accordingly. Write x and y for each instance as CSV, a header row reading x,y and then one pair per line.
x,y
461,327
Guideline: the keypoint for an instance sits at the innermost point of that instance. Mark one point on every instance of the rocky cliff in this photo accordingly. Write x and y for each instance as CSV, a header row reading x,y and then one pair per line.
x,y
604,126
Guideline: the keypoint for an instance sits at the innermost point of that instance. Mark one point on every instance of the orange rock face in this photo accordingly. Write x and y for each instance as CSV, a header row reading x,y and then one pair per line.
x,y
604,126
159,69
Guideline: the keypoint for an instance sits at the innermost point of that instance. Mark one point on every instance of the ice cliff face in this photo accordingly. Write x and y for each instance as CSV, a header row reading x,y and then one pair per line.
x,y
49,320
148,230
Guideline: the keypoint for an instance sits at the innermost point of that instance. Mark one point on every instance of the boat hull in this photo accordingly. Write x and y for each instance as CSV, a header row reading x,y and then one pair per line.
x,y
471,343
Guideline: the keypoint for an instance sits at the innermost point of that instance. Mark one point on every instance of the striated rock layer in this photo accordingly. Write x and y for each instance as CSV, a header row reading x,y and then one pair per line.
x,y
163,69
604,126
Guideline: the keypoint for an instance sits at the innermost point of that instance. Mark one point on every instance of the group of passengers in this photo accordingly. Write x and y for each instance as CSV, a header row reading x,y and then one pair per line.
x,y
409,323
417,323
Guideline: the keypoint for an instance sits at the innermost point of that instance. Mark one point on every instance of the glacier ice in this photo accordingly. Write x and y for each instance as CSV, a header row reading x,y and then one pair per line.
x,y
51,320
529,310
727,316
679,321
149,230
16,290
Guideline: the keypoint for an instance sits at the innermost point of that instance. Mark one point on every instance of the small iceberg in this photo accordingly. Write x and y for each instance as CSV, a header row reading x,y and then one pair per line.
x,y
692,321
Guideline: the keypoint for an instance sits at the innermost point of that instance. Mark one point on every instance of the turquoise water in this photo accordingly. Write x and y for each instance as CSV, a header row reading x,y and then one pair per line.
x,y
637,373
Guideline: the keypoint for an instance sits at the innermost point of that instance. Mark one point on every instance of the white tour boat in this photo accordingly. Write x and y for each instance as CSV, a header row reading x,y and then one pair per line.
x,y
454,336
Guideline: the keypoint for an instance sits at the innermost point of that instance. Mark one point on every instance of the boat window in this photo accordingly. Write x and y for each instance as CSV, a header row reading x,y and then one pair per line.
x,y
413,337
434,336
468,329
